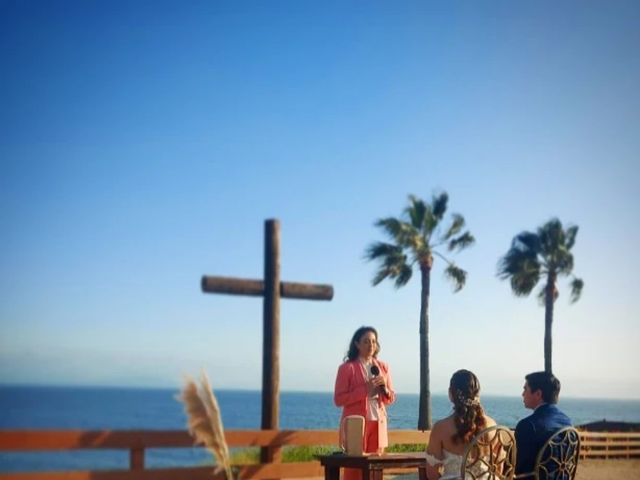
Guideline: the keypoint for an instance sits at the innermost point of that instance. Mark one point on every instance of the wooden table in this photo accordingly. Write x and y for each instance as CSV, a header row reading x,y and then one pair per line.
x,y
372,466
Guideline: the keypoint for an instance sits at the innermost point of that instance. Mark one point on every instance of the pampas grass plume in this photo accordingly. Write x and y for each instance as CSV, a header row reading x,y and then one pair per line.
x,y
204,421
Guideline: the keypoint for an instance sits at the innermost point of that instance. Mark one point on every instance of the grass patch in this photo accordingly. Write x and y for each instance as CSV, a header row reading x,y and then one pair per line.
x,y
307,453
245,456
304,453
406,448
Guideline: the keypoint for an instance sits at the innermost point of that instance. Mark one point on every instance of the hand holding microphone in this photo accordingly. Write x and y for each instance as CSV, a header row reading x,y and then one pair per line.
x,y
379,381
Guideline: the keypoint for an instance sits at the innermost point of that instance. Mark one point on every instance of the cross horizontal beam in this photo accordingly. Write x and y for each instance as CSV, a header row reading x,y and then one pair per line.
x,y
241,286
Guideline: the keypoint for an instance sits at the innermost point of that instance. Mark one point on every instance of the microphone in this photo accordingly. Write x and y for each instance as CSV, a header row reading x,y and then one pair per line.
x,y
375,371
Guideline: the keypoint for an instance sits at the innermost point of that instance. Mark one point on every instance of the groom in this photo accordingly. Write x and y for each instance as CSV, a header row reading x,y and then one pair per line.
x,y
540,393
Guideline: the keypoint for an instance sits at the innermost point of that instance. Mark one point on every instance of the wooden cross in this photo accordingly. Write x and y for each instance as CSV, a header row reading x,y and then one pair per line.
x,y
272,289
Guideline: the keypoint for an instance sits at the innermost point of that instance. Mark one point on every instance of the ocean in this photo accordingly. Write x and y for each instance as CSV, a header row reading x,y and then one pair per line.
x,y
60,408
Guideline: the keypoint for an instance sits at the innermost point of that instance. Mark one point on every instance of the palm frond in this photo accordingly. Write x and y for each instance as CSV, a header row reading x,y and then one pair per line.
x,y
460,243
429,223
521,264
416,211
527,241
570,235
204,420
551,236
456,226
563,260
391,225
380,275
522,283
381,249
457,275
392,266
439,205
576,289
383,273
522,268
395,261
404,276
401,232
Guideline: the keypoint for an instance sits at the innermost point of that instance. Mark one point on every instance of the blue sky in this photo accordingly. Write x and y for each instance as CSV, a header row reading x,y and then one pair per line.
x,y
143,144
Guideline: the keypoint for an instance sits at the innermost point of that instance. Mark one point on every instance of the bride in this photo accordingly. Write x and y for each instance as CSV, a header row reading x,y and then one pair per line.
x,y
450,436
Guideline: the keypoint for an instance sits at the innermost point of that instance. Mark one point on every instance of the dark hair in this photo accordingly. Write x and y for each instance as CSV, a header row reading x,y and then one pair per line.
x,y
352,354
468,415
545,382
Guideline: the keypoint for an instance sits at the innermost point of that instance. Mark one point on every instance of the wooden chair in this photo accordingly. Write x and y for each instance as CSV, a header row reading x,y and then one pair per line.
x,y
558,457
491,455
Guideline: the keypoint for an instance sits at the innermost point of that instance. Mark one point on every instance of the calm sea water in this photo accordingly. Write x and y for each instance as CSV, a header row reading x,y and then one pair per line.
x,y
156,409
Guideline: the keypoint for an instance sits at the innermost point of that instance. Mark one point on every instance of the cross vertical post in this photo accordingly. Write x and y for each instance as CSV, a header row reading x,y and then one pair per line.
x,y
271,335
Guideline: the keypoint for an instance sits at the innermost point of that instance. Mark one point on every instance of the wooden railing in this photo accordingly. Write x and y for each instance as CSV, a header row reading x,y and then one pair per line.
x,y
594,445
609,445
137,441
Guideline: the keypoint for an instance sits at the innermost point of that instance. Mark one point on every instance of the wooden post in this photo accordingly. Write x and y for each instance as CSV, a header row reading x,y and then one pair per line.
x,y
271,336
136,458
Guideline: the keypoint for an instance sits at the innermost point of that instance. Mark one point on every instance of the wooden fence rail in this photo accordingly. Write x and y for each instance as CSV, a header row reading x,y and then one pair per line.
x,y
610,445
594,445
137,441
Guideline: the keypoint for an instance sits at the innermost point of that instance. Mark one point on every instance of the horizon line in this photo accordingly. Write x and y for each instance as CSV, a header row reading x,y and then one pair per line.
x,y
254,390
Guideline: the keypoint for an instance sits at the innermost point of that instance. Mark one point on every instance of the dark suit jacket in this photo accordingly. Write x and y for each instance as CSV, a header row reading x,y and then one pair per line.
x,y
533,431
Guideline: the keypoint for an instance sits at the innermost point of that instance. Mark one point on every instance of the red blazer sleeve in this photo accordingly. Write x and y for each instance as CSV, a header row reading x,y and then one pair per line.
x,y
348,388
387,399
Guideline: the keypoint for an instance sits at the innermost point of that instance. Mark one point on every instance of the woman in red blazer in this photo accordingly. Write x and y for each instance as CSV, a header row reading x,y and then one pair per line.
x,y
364,387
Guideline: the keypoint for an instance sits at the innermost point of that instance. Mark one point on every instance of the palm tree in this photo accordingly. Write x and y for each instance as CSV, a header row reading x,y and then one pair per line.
x,y
543,255
415,237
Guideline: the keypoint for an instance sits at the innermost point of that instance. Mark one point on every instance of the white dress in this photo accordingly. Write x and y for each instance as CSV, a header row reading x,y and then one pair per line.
x,y
452,465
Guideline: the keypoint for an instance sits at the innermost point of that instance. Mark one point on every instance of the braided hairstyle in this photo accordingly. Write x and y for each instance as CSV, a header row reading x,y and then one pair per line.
x,y
469,418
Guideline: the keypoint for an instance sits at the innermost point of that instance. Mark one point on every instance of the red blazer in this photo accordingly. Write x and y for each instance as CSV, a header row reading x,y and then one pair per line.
x,y
350,393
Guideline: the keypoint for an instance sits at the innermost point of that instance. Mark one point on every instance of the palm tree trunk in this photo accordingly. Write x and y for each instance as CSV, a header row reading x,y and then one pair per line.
x,y
549,298
424,413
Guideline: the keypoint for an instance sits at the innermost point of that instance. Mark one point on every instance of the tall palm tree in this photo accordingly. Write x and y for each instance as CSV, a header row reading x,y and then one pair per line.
x,y
544,255
415,237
